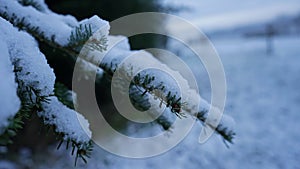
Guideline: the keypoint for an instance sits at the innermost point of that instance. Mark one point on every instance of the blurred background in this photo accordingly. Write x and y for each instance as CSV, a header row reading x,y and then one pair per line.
x,y
258,43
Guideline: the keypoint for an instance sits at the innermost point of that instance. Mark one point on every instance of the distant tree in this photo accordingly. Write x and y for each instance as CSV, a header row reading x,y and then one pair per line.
x,y
270,32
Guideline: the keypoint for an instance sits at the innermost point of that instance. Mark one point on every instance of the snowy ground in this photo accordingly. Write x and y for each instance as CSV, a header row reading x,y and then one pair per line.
x,y
263,98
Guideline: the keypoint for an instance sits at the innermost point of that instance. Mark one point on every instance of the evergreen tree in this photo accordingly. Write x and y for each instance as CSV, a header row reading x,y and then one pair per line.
x,y
28,29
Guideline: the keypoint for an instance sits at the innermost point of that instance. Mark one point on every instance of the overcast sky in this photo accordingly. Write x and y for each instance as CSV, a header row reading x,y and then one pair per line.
x,y
209,14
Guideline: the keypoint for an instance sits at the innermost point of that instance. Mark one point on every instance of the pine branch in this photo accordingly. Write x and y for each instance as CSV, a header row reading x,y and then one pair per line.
x,y
37,33
171,100
81,35
10,119
15,124
83,150
35,81
141,102
226,133
64,95
32,3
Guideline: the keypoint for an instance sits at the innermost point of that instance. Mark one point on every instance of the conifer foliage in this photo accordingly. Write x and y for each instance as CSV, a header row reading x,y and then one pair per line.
x,y
29,84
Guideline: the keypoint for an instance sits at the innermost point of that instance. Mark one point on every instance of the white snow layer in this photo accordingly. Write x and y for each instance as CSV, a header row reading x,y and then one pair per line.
x,y
52,27
57,29
35,72
263,97
43,7
9,101
97,24
66,121
132,62
25,54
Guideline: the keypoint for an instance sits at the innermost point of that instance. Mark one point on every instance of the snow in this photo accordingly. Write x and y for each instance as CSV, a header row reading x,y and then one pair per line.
x,y
35,63
43,7
7,165
263,98
66,121
34,71
24,53
97,24
50,26
53,26
123,42
100,29
9,101
216,15
134,62
39,4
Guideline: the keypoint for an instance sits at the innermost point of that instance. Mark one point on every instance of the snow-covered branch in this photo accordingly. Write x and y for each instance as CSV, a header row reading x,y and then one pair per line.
x,y
58,30
9,101
35,87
